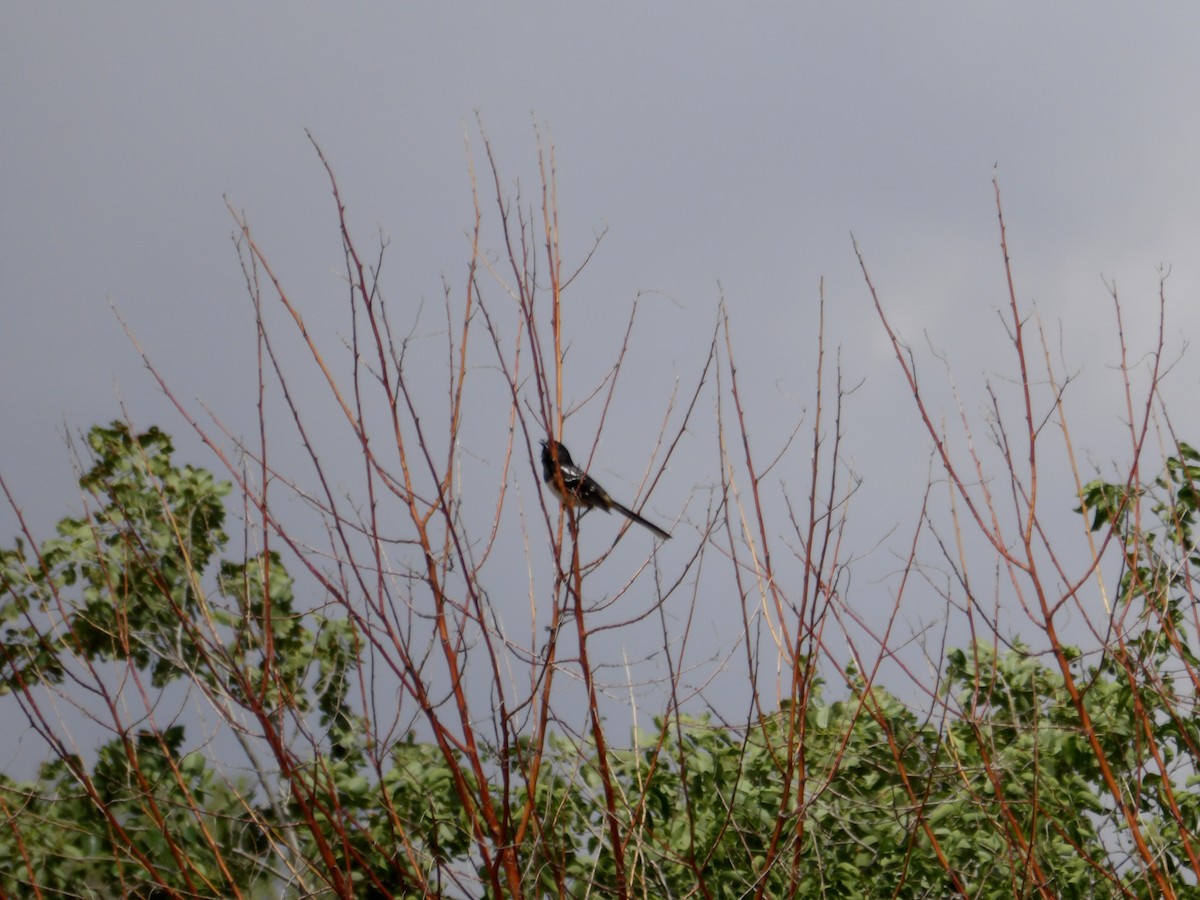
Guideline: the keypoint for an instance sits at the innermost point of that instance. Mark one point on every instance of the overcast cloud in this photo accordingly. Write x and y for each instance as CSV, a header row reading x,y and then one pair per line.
x,y
729,149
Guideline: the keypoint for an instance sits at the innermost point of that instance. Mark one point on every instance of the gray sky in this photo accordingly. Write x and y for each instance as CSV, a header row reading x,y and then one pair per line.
x,y
728,149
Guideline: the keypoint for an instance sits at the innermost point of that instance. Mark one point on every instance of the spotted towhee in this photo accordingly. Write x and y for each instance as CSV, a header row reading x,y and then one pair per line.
x,y
576,488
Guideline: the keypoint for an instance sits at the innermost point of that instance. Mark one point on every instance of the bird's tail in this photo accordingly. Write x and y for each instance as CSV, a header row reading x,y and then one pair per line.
x,y
629,513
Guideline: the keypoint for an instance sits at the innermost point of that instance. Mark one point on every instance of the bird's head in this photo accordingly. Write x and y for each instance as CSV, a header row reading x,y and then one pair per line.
x,y
548,456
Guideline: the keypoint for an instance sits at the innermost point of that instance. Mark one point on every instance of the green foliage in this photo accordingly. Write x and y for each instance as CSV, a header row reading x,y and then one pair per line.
x,y
1004,794
135,561
1160,555
125,585
123,829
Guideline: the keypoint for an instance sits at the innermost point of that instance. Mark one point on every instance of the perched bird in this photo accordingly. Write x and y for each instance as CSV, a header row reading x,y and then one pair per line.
x,y
576,488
